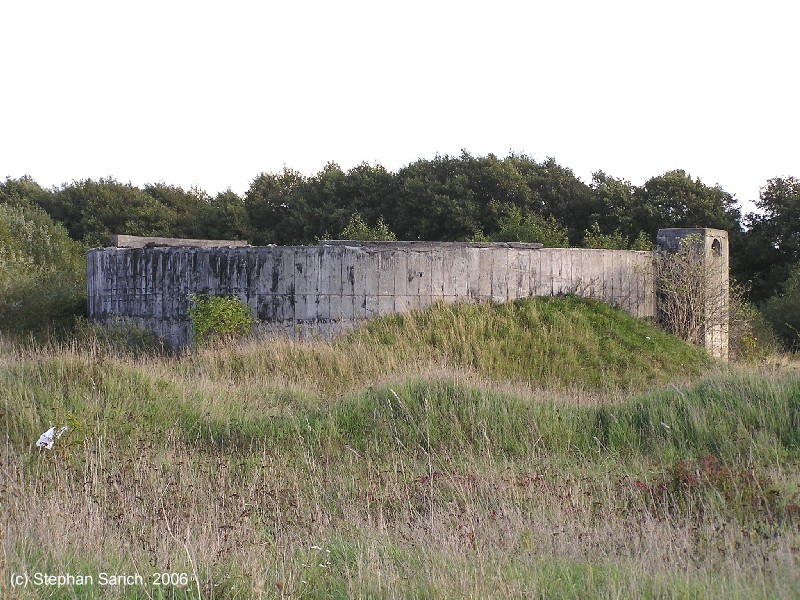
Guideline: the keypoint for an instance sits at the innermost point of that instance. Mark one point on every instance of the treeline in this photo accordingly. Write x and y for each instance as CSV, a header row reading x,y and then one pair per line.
x,y
447,198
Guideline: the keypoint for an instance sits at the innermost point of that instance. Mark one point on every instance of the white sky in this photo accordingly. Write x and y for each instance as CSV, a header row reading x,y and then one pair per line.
x,y
214,93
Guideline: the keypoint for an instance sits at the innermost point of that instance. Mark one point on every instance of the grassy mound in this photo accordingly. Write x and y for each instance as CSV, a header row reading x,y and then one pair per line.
x,y
565,343
548,341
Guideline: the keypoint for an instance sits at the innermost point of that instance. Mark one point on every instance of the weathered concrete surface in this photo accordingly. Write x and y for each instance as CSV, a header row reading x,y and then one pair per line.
x,y
321,290
136,241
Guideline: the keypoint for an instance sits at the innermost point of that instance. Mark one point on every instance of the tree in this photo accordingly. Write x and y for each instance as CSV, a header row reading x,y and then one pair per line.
x,y
780,202
622,210
24,192
771,244
274,205
228,219
326,206
594,238
192,209
492,181
674,199
783,310
371,191
561,194
435,201
454,198
93,210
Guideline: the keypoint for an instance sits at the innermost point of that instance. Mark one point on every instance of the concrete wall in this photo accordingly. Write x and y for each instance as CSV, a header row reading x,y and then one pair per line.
x,y
308,290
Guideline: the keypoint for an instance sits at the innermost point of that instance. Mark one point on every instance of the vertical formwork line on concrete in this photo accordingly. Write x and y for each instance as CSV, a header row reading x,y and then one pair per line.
x,y
372,284
548,274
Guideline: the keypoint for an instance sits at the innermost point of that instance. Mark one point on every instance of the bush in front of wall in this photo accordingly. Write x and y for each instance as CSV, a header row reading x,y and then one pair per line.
x,y
218,317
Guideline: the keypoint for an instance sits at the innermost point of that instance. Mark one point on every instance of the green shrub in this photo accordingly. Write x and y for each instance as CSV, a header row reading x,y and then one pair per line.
x,y
42,273
750,335
357,229
594,238
783,311
218,317
515,226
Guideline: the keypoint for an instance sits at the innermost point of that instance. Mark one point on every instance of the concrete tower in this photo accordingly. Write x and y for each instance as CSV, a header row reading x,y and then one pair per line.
x,y
710,246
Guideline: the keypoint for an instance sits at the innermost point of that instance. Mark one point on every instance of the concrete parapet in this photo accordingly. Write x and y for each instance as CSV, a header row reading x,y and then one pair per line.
x,y
136,241
322,290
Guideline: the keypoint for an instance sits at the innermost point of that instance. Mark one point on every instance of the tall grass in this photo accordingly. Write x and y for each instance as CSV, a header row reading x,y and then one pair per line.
x,y
544,342
407,460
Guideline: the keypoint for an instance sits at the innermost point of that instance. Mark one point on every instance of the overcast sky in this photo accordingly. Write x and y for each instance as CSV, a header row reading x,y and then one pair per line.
x,y
212,94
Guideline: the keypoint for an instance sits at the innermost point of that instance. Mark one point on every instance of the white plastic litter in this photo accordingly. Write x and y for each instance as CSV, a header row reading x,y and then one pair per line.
x,y
49,437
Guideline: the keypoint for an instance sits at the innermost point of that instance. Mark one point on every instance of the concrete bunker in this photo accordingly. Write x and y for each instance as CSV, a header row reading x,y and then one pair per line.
x,y
303,291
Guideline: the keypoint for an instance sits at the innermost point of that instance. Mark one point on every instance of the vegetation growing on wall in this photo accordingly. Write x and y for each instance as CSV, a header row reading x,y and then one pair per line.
x,y
683,288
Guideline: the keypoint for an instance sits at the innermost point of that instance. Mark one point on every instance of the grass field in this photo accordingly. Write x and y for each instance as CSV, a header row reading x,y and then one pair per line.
x,y
551,448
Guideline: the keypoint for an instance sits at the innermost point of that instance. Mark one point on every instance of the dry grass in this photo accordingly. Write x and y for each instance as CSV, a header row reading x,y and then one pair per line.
x,y
433,526
314,470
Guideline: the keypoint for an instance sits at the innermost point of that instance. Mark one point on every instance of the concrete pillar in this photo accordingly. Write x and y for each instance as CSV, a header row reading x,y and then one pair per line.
x,y
712,250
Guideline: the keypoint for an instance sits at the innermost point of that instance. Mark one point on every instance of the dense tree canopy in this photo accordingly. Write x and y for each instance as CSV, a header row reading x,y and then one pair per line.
x,y
772,243
453,198
674,199
274,204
